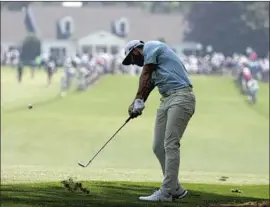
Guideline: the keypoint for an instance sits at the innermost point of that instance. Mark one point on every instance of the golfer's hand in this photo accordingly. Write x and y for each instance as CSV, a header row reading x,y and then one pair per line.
x,y
130,109
136,108
131,113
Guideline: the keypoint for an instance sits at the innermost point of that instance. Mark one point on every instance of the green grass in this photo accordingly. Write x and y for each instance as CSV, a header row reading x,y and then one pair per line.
x,y
226,137
103,194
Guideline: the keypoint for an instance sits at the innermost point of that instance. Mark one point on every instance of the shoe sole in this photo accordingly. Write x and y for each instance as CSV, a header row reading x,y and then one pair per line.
x,y
142,198
162,201
181,196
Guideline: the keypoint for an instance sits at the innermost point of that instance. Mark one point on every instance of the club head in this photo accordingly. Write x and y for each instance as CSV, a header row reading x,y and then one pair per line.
x,y
80,164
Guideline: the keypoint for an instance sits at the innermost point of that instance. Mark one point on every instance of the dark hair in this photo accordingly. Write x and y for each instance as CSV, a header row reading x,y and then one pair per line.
x,y
142,44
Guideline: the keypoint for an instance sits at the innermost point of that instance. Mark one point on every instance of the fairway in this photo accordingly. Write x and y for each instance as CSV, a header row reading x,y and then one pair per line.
x,y
226,137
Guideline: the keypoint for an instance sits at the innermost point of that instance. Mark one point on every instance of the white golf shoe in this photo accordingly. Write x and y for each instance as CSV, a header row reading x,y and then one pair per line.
x,y
156,196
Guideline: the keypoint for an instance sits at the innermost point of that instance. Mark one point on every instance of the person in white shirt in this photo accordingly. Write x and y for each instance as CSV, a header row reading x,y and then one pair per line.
x,y
252,90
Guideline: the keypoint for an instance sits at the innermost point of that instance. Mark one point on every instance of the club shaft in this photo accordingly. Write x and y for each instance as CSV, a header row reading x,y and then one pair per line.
x,y
109,140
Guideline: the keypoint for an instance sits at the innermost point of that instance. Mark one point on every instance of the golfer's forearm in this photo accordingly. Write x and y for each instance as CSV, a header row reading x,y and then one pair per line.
x,y
149,91
145,86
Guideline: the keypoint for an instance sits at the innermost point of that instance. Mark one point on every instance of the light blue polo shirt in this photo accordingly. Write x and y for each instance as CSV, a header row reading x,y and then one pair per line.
x,y
170,72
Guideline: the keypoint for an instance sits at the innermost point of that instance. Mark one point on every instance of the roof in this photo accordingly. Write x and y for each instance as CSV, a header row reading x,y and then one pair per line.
x,y
143,25
12,26
102,38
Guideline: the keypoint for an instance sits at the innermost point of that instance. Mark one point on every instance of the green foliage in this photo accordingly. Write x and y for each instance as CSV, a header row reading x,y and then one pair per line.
x,y
31,48
229,26
257,15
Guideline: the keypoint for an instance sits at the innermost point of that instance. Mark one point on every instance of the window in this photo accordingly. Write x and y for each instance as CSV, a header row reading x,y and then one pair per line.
x,y
64,51
114,50
87,49
53,51
67,26
58,51
101,49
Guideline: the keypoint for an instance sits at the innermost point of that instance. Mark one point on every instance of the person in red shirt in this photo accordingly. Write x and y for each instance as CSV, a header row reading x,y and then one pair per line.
x,y
246,74
246,77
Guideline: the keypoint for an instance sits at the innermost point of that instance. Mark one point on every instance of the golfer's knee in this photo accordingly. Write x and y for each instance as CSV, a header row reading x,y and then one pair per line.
x,y
172,142
158,149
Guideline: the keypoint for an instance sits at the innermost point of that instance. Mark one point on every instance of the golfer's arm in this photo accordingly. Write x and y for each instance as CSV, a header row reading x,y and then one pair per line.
x,y
145,83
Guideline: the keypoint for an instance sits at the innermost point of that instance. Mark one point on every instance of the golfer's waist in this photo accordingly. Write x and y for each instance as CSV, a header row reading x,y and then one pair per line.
x,y
182,89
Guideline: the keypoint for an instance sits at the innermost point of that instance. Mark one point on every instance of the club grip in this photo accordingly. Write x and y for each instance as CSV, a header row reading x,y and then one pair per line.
x,y
129,118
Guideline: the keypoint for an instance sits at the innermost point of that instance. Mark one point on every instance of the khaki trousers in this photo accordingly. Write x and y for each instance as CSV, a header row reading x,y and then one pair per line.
x,y
173,115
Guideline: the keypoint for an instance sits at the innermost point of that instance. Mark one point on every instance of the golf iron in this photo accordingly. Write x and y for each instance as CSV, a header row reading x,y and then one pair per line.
x,y
85,165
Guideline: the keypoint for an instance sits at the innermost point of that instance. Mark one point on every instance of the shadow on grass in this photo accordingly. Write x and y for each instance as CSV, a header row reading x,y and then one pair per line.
x,y
103,194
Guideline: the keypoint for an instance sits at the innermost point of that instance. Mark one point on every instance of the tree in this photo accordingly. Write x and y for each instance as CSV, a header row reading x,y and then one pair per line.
x,y
31,48
257,16
226,26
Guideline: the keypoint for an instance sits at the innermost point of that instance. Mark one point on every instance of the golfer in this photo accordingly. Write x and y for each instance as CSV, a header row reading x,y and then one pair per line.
x,y
162,68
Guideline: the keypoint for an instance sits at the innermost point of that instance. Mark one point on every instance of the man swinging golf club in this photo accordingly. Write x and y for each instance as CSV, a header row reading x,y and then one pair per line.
x,y
162,68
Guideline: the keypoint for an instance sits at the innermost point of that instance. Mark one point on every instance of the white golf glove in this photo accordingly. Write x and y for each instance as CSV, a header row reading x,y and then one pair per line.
x,y
137,108
138,105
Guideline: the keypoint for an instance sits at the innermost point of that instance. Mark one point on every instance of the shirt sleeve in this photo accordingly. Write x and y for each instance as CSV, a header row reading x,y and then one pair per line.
x,y
151,54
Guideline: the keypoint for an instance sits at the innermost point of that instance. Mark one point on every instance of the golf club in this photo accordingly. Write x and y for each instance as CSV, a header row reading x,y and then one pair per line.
x,y
85,165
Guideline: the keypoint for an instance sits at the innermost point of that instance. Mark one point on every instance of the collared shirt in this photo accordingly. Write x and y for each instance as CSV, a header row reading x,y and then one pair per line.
x,y
170,72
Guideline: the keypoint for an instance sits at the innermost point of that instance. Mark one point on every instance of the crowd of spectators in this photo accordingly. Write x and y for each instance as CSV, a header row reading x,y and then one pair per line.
x,y
211,64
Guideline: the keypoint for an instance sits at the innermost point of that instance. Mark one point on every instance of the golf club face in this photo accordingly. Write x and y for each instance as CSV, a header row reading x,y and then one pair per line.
x,y
82,165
